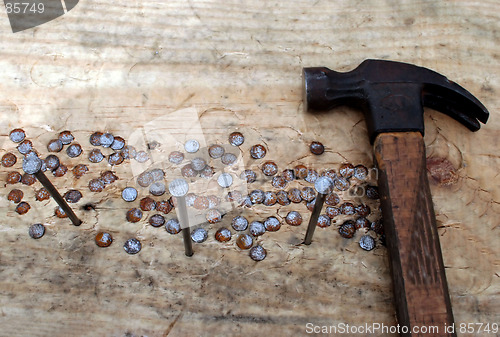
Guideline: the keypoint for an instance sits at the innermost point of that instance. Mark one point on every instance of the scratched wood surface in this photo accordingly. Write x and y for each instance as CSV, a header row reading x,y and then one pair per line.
x,y
236,66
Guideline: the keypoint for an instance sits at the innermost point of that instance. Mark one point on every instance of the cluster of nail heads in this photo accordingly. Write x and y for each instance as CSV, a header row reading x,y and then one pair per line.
x,y
107,140
31,162
25,147
245,241
197,166
270,198
15,177
65,138
147,204
52,161
202,202
301,172
366,242
53,164
341,182
307,194
98,184
172,226
349,227
118,145
154,180
216,151
162,206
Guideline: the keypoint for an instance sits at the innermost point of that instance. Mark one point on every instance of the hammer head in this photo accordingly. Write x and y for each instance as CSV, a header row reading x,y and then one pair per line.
x,y
392,95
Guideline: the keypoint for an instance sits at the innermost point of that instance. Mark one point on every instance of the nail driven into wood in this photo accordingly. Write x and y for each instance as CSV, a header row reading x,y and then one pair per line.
x,y
323,186
33,165
179,188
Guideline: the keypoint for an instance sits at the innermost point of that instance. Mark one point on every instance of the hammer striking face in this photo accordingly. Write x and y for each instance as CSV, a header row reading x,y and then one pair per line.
x,y
392,96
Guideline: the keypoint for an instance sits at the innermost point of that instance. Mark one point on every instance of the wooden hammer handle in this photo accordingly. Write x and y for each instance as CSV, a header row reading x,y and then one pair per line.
x,y
418,275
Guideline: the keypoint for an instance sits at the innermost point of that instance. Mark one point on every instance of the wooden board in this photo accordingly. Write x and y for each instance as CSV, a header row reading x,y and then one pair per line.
x,y
119,67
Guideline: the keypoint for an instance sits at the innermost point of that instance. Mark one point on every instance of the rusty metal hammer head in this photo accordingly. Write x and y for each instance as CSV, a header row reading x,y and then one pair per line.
x,y
392,95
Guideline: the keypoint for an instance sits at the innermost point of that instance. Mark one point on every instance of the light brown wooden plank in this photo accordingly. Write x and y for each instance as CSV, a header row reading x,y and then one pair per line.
x,y
109,66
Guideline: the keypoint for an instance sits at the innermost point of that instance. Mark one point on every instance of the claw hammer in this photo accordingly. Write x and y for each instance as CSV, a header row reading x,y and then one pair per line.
x,y
392,96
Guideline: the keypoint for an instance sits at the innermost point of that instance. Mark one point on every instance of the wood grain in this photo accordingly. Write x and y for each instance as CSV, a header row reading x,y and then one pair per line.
x,y
418,275
116,67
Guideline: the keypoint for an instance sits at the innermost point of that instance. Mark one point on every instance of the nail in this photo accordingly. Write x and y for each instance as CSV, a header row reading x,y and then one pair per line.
x,y
323,186
33,165
179,188
225,180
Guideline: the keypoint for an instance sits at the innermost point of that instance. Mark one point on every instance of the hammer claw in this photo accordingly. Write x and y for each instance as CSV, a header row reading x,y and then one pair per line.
x,y
450,108
457,103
